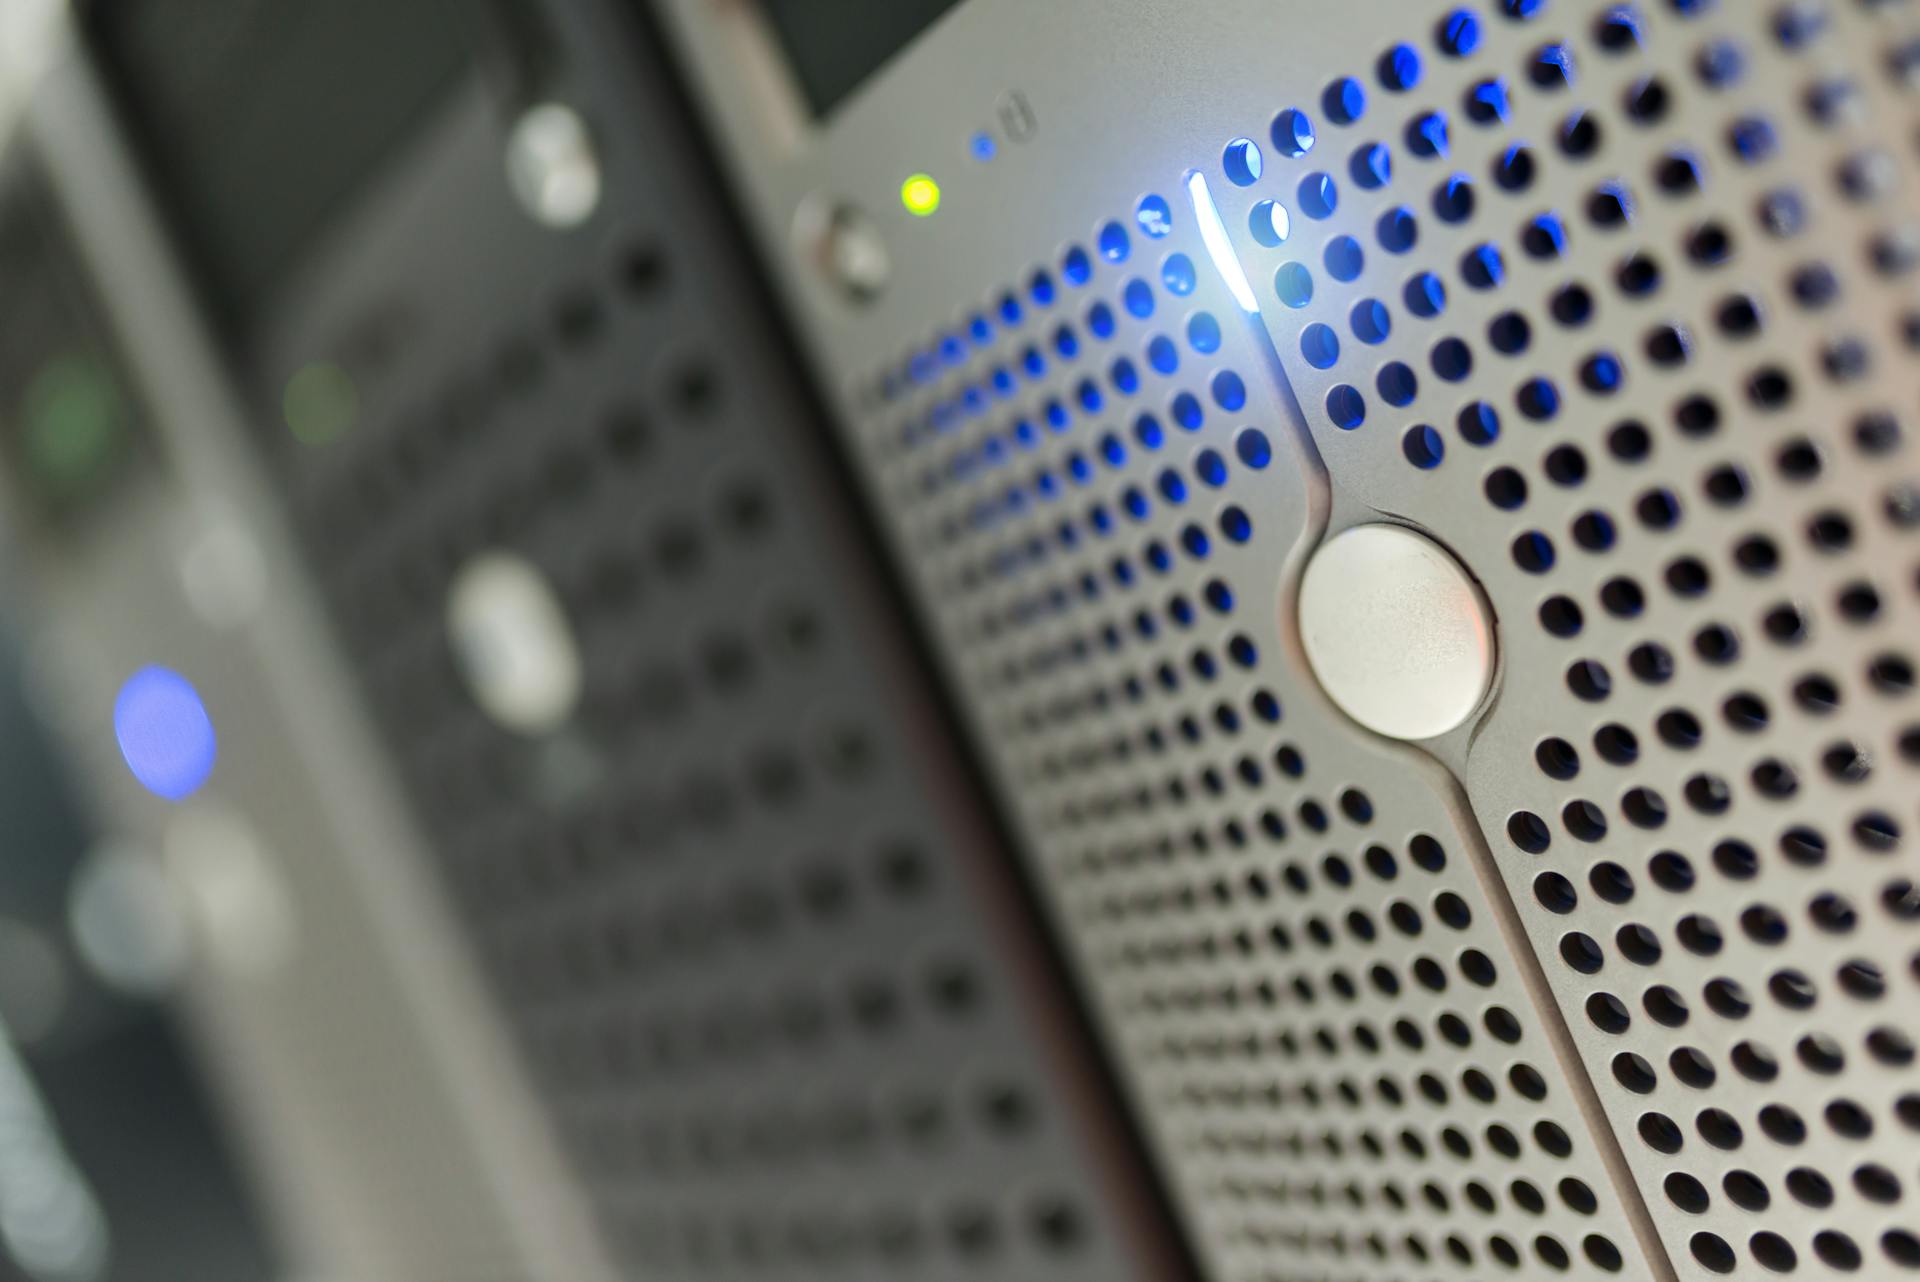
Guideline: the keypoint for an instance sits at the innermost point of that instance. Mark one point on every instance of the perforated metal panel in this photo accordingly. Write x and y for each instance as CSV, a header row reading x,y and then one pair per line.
x,y
777,985
1616,303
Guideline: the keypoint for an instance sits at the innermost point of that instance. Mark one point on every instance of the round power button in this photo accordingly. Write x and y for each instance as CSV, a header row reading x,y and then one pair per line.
x,y
846,248
1397,631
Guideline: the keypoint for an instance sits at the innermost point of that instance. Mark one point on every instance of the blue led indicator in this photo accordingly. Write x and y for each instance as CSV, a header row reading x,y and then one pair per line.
x,y
983,146
164,733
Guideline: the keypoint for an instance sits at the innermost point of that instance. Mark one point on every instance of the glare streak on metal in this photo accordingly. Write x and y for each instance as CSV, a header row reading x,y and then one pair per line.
x,y
1213,234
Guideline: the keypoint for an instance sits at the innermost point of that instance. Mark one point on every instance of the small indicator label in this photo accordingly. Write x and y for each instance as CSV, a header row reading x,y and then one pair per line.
x,y
1017,120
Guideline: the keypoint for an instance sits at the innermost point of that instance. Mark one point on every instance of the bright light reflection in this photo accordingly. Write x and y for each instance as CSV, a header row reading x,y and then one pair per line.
x,y
1213,234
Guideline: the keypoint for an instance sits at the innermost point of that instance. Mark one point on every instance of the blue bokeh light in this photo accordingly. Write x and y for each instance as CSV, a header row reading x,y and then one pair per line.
x,y
164,732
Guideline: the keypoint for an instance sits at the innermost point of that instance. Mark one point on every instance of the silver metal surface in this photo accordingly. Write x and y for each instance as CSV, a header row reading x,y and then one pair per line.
x,y
1651,1014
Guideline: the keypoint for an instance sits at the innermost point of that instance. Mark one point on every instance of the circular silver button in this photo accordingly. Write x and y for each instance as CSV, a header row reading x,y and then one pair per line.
x,y
513,644
845,247
1396,631
553,165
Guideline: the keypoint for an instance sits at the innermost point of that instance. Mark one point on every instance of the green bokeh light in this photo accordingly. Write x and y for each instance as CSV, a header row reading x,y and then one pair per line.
x,y
73,417
320,403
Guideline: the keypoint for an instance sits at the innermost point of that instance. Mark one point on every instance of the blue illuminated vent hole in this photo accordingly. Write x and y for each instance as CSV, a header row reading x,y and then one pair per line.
x,y
1370,321
1397,384
1552,66
1346,407
1397,230
1320,346
1544,236
1459,33
1100,321
1509,333
1513,168
1040,289
1203,332
1177,274
1292,133
1162,354
1423,447
1425,295
1453,199
1488,102
1235,524
1399,68
1344,258
1720,63
1242,162
1482,267
1602,373
1538,399
1752,139
1229,393
1344,101
1533,552
1138,298
1076,267
1318,197
1452,360
1371,166
1210,467
1427,135
1113,243
1154,216
1293,284
1478,424
1269,223
1186,411
1611,205
1253,448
